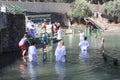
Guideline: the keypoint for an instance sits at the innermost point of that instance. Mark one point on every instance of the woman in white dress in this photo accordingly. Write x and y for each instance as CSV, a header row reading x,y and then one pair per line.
x,y
60,52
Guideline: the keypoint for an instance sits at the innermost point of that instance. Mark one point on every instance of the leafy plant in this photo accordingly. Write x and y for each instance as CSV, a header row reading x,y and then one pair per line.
x,y
80,9
112,8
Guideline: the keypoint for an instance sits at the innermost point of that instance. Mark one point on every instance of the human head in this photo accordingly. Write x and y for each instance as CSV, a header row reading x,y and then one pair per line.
x,y
32,25
61,43
60,27
85,38
25,35
33,42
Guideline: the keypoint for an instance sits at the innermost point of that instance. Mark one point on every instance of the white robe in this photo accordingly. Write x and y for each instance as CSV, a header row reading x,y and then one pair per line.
x,y
82,36
60,54
32,54
84,45
59,34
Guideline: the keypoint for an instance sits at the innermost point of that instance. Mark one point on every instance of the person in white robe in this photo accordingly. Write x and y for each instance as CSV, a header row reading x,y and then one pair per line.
x,y
60,52
84,44
32,53
59,34
82,35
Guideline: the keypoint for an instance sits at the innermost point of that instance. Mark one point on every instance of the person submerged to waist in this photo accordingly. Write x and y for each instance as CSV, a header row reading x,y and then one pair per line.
x,y
84,48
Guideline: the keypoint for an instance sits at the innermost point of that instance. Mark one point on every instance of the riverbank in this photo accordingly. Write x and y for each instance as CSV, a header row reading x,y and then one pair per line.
x,y
105,25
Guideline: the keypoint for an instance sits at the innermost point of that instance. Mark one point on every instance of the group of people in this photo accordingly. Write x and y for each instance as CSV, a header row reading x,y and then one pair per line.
x,y
34,30
57,30
60,52
31,29
29,47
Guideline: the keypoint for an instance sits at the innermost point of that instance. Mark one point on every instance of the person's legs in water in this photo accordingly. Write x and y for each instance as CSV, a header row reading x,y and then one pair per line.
x,y
23,48
23,53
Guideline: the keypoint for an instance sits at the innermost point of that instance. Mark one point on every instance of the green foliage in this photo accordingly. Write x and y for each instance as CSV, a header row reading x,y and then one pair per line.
x,y
14,9
98,1
80,8
112,8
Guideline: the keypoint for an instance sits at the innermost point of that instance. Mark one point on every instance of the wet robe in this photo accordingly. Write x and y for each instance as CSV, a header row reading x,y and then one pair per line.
x,y
60,54
84,45
32,54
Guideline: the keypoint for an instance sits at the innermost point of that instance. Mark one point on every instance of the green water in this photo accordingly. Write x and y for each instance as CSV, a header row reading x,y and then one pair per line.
x,y
112,44
74,69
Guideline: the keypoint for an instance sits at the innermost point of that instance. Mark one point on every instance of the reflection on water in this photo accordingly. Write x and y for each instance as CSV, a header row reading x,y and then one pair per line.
x,y
22,67
60,68
84,57
33,68
30,67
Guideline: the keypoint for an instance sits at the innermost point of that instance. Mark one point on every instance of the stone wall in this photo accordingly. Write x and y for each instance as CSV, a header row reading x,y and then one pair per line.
x,y
11,34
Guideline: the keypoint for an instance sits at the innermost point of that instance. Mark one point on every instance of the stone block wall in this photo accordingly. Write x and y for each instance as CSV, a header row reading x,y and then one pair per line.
x,y
11,34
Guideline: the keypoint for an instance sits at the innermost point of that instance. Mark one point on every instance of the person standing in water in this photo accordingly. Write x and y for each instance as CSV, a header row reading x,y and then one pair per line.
x,y
60,52
59,33
84,55
32,53
82,35
23,44
84,44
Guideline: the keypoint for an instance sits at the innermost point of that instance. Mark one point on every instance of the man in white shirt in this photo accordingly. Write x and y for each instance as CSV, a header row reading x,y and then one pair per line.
x,y
84,44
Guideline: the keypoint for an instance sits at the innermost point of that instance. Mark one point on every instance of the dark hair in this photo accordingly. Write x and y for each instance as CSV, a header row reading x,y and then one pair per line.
x,y
33,42
85,38
25,35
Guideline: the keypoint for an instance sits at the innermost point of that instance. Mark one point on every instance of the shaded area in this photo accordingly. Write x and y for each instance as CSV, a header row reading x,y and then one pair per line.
x,y
9,58
12,32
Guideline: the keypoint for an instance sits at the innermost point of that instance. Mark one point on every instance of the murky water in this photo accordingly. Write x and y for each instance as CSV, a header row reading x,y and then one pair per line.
x,y
112,44
88,67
